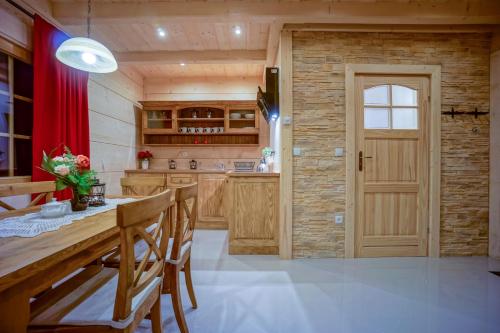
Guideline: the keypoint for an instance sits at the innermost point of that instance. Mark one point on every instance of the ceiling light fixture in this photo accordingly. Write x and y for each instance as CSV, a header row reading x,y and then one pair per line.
x,y
86,54
161,32
237,30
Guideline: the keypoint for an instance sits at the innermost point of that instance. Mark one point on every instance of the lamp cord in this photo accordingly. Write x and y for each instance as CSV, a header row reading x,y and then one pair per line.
x,y
88,18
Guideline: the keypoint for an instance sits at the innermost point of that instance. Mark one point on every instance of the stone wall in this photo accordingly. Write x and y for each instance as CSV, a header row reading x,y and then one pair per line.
x,y
319,60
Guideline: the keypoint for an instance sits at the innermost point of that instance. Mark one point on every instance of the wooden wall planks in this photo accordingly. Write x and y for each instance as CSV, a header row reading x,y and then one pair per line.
x,y
202,88
494,222
114,125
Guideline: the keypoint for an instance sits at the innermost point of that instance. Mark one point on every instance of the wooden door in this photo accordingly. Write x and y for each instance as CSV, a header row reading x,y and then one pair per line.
x,y
210,201
393,166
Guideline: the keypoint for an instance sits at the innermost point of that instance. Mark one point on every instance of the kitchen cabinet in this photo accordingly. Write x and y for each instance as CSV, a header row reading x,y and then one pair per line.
x,y
210,192
210,201
200,123
252,208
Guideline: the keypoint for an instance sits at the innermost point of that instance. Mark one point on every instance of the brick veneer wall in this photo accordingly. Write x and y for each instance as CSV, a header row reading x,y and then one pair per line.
x,y
319,60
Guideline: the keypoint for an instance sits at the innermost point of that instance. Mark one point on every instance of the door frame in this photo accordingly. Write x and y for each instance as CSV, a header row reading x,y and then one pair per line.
x,y
434,74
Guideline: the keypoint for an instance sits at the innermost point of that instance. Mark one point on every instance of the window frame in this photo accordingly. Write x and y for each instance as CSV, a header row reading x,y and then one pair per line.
x,y
14,52
390,108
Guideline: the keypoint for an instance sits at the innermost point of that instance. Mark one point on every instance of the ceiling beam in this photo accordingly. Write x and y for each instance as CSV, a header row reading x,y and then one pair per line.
x,y
193,57
413,12
430,28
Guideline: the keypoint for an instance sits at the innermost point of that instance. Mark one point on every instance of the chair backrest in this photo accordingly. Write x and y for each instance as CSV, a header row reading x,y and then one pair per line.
x,y
143,185
43,189
133,219
186,218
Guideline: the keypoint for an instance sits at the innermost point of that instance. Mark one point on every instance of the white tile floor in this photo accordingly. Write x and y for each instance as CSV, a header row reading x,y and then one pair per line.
x,y
261,294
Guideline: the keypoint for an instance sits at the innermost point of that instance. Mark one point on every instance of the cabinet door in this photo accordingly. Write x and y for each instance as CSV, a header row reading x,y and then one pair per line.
x,y
242,120
159,120
210,204
180,179
254,216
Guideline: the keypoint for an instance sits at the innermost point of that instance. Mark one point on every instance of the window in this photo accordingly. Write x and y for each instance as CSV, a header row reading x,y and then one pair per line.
x,y
16,116
390,107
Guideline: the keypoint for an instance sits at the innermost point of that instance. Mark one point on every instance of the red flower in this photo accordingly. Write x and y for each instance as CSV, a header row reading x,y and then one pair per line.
x,y
82,162
143,155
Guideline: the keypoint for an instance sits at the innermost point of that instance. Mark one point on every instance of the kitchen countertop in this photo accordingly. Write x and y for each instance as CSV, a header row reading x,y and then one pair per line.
x,y
233,173
177,171
230,173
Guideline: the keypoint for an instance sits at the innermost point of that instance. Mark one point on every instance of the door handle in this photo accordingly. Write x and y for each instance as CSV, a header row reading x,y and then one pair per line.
x,y
360,160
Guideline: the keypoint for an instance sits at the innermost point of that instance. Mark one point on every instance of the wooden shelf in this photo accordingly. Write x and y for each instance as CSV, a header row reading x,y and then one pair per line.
x,y
24,99
208,134
179,115
203,145
200,119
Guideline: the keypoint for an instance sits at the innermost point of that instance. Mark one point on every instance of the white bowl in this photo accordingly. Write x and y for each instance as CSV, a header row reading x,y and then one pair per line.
x,y
249,116
235,116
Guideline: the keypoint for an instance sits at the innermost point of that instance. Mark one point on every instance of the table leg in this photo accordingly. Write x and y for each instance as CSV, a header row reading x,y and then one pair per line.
x,y
14,310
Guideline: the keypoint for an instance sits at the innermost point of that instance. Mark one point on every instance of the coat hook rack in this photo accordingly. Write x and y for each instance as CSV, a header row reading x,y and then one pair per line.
x,y
476,113
453,112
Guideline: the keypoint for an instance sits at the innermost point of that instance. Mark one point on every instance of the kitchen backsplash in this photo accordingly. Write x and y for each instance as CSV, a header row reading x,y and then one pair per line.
x,y
203,163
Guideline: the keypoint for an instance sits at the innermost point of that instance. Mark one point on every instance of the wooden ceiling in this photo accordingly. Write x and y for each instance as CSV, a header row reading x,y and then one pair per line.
x,y
201,34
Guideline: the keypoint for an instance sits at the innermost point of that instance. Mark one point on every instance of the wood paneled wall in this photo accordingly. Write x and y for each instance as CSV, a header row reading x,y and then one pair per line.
x,y
15,26
319,60
201,89
208,157
192,89
114,124
494,237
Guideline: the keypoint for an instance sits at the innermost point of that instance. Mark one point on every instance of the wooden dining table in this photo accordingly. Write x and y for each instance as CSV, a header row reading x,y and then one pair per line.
x,y
29,266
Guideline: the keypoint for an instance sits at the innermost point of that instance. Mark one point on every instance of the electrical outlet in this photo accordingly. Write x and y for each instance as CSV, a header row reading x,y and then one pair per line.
x,y
339,218
296,151
339,152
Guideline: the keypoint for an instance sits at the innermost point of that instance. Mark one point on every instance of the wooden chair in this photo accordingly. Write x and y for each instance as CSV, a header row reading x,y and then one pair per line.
x,y
143,186
111,300
180,255
43,189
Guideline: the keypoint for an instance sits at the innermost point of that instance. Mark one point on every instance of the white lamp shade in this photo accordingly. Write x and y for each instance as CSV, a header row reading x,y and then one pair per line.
x,y
87,55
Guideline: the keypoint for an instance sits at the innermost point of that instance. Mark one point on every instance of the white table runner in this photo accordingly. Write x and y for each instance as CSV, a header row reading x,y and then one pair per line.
x,y
33,224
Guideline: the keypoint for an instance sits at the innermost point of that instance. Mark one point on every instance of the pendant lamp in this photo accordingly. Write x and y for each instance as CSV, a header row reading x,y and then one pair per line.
x,y
86,54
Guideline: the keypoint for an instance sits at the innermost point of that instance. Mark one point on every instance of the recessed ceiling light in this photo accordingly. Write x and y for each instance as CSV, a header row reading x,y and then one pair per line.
x,y
182,64
237,30
161,32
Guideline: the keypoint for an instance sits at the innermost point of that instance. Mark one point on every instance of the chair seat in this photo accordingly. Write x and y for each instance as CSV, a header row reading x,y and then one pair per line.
x,y
92,303
140,249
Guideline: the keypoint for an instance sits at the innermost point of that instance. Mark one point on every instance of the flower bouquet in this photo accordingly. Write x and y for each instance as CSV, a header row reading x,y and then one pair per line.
x,y
144,157
71,171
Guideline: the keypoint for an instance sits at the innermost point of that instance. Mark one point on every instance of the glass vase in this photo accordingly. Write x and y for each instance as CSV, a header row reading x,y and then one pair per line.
x,y
79,201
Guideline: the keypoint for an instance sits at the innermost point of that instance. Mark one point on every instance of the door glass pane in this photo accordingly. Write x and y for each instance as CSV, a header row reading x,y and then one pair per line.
x,y
376,118
403,96
404,118
4,113
4,156
378,95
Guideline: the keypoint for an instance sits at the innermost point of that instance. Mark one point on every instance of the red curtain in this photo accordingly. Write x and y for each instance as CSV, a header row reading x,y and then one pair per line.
x,y
60,104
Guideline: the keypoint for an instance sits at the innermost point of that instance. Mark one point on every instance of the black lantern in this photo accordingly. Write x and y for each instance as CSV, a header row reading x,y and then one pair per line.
x,y
96,194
